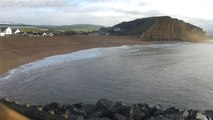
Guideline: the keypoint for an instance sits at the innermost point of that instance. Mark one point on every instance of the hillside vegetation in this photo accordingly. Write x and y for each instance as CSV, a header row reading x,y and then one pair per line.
x,y
75,28
157,28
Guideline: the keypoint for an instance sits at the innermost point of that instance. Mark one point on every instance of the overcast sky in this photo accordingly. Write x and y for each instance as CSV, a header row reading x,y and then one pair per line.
x,y
104,12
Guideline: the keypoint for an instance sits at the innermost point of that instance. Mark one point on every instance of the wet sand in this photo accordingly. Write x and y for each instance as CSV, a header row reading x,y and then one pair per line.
x,y
16,51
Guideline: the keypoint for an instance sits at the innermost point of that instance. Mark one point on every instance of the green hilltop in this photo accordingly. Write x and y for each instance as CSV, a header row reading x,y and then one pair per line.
x,y
75,28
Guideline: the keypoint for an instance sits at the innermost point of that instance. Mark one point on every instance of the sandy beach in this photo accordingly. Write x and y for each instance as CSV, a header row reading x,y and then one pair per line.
x,y
16,51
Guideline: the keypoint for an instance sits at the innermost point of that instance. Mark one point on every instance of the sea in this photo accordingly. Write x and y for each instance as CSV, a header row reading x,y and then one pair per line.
x,y
170,74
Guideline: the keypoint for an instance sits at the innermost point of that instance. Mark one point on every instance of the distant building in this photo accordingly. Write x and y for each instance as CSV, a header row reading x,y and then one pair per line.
x,y
17,31
7,31
94,34
50,34
44,34
116,29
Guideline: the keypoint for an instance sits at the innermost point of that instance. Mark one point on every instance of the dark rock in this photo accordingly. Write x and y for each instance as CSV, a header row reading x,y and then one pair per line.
x,y
104,118
118,104
108,114
76,117
148,109
137,113
192,114
76,111
46,109
175,117
93,119
61,110
209,113
178,115
124,111
39,107
172,110
120,117
89,108
159,112
78,105
54,105
104,104
155,109
159,117
195,114
96,114
66,114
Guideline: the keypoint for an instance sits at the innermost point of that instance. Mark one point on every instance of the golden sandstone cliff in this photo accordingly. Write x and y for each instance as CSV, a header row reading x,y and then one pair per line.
x,y
158,28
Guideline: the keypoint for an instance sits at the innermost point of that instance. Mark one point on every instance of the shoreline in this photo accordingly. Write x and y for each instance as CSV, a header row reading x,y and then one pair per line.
x,y
17,51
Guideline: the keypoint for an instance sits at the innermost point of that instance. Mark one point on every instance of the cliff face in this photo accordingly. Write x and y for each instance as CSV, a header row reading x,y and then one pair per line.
x,y
158,28
166,28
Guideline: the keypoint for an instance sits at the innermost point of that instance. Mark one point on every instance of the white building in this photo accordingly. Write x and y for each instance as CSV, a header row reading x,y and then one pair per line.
x,y
44,34
17,31
7,31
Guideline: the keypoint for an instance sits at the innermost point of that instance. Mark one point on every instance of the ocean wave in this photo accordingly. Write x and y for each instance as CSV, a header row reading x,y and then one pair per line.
x,y
52,61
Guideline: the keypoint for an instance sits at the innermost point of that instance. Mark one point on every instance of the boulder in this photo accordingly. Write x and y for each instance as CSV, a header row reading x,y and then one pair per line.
x,y
75,111
93,119
120,117
125,110
175,117
172,110
209,113
104,104
61,110
97,114
54,105
51,112
39,107
159,117
75,117
104,118
185,114
159,112
200,116
137,113
195,114
79,105
89,108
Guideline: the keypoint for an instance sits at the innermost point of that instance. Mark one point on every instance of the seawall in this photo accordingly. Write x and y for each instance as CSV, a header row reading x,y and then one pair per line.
x,y
105,109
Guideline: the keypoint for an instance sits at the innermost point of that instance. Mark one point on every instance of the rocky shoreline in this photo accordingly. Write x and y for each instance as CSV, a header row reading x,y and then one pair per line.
x,y
105,109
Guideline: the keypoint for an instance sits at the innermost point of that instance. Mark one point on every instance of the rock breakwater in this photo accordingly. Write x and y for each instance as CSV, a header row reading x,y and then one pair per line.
x,y
105,109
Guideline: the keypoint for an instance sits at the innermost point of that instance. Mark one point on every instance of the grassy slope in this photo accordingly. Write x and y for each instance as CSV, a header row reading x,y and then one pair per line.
x,y
136,27
76,28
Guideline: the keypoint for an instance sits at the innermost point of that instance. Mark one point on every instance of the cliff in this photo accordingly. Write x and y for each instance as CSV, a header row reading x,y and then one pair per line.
x,y
158,28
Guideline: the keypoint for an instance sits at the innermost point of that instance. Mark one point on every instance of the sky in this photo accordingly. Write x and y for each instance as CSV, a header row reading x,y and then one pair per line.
x,y
104,12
